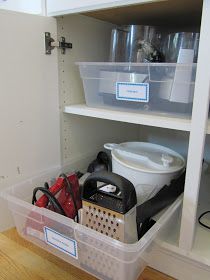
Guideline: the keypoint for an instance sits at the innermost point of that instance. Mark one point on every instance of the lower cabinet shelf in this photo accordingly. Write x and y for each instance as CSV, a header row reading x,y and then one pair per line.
x,y
155,120
182,123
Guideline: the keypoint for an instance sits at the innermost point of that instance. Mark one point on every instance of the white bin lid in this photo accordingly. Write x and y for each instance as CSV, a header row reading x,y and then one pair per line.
x,y
148,157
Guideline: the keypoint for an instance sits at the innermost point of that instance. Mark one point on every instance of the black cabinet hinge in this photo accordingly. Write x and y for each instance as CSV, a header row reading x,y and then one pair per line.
x,y
50,44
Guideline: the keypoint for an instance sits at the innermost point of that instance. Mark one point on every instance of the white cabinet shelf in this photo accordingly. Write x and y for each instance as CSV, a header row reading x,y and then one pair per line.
x,y
155,120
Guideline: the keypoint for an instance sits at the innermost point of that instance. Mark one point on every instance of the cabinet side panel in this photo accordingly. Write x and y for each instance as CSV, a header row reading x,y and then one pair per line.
x,y
29,107
197,135
82,137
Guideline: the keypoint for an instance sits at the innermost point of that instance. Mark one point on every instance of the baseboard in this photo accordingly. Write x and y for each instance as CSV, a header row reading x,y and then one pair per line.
x,y
179,266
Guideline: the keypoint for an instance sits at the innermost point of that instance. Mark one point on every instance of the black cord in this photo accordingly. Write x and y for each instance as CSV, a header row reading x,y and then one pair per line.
x,y
69,186
144,227
55,203
46,185
79,174
200,217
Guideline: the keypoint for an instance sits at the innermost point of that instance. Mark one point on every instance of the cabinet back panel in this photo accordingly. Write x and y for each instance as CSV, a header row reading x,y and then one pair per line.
x,y
173,139
81,137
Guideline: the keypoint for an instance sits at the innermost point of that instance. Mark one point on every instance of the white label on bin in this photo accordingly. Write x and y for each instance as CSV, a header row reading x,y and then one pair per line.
x,y
137,92
61,242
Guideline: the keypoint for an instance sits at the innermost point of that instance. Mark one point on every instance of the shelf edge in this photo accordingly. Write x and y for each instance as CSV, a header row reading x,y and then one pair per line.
x,y
134,118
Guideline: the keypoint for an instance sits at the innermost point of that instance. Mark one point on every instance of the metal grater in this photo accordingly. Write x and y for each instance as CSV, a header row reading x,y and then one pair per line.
x,y
110,213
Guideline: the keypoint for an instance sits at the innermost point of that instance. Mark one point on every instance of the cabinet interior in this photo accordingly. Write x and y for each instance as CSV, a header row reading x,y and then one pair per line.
x,y
202,236
90,33
81,137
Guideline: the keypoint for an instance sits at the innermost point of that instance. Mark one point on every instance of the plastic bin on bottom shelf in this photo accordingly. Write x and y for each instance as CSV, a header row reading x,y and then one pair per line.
x,y
149,87
99,255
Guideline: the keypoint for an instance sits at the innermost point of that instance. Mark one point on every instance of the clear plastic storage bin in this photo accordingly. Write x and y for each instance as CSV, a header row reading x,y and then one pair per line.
x,y
152,87
99,255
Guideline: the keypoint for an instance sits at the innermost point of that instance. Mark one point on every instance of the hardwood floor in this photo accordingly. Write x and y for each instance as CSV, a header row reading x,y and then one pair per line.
x,y
21,260
152,274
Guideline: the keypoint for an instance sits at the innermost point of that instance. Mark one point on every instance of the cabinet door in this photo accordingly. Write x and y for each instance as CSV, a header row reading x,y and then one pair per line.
x,y
31,7
29,107
61,7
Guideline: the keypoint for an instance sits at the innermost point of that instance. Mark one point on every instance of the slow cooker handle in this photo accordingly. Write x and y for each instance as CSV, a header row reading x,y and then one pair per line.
x,y
111,146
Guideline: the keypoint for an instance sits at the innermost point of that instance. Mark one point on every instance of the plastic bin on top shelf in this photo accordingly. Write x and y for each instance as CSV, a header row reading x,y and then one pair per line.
x,y
99,255
149,87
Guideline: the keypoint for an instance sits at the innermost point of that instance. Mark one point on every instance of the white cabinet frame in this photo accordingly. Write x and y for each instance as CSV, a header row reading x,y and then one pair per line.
x,y
62,7
198,124
197,134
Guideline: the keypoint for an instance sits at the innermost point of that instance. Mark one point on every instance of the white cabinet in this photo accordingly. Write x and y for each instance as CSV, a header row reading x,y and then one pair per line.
x,y
29,114
31,7
35,139
61,7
